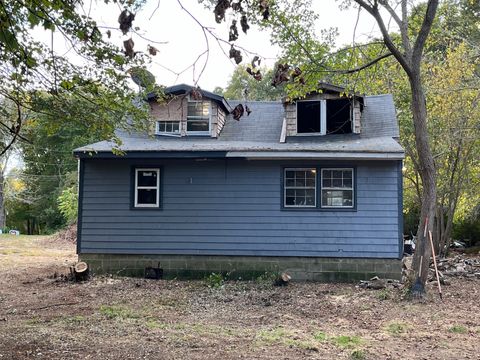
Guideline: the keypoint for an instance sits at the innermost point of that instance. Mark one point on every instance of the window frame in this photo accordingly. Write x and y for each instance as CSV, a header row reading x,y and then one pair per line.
x,y
157,127
199,118
337,189
322,120
285,188
318,191
134,188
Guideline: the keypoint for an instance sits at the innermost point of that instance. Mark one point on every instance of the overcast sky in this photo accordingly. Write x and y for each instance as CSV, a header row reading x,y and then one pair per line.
x,y
185,39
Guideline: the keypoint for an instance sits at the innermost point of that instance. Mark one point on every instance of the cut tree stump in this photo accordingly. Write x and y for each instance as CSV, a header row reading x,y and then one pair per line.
x,y
283,279
80,271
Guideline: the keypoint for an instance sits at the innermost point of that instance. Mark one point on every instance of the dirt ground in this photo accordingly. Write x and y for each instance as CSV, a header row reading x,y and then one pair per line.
x,y
120,318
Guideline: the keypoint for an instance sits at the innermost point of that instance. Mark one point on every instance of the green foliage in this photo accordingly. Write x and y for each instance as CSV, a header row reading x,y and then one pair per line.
x,y
214,280
68,204
261,90
50,171
267,278
36,80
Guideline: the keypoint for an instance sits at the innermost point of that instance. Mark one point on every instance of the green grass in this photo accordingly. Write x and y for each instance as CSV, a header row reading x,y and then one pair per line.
x,y
458,329
287,338
320,336
153,324
397,328
118,312
347,341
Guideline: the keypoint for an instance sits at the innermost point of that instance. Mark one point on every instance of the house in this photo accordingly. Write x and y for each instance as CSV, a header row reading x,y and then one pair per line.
x,y
312,187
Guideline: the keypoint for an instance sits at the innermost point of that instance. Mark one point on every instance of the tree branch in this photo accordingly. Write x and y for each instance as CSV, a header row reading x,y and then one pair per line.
x,y
402,24
373,10
424,31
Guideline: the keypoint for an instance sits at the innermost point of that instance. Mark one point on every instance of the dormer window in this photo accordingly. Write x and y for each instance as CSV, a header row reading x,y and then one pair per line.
x,y
322,117
198,117
167,127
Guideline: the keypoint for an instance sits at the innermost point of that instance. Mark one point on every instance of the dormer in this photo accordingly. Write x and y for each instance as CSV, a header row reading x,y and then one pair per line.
x,y
188,111
329,111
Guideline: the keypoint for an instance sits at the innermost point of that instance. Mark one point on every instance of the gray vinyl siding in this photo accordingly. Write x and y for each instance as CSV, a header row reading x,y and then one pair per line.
x,y
233,207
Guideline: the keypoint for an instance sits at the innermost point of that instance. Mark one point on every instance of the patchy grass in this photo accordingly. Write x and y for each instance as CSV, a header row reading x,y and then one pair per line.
x,y
131,318
358,355
347,341
285,337
320,336
118,312
397,328
384,294
458,329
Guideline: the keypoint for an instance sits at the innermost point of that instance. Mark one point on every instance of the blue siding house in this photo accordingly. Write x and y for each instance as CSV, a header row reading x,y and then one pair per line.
x,y
312,187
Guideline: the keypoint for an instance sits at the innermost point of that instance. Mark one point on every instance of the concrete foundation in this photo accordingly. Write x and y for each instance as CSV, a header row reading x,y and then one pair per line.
x,y
247,267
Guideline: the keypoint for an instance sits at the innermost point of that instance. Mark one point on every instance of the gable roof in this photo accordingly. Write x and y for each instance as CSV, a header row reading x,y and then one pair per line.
x,y
258,136
182,89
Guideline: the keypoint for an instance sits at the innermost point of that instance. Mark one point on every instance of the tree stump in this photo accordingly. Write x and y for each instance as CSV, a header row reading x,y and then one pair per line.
x,y
80,271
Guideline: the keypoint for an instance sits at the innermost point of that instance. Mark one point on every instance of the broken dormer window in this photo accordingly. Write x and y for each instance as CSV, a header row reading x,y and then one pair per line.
x,y
310,114
322,117
339,116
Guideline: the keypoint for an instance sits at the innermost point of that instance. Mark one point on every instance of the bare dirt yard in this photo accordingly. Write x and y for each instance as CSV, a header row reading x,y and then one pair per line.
x,y
42,316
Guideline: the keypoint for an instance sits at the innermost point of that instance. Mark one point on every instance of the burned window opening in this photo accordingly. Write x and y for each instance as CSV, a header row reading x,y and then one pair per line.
x,y
339,116
308,117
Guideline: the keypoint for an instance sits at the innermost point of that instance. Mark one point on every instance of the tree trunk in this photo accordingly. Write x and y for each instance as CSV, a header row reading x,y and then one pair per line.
x,y
2,200
427,173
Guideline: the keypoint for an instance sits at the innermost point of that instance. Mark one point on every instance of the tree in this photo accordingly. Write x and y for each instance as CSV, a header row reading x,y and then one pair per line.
x,y
49,166
29,68
242,85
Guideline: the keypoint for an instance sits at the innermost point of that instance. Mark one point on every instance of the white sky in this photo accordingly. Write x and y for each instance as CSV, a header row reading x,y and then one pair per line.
x,y
185,39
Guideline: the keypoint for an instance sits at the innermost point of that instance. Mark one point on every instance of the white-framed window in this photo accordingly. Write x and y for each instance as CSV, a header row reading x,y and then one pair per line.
x,y
300,187
337,188
311,117
167,127
147,188
198,117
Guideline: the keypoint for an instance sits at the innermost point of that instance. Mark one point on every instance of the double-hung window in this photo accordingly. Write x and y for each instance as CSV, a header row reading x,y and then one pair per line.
x,y
147,188
337,188
300,187
198,117
321,188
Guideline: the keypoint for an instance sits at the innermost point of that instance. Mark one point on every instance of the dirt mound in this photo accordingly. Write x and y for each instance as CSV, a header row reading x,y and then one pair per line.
x,y
67,235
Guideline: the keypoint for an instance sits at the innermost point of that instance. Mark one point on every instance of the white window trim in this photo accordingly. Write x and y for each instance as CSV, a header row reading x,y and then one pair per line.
x,y
199,118
285,188
157,187
323,118
157,127
337,189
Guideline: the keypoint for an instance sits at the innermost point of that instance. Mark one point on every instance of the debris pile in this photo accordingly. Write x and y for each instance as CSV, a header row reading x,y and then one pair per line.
x,y
376,283
67,235
457,266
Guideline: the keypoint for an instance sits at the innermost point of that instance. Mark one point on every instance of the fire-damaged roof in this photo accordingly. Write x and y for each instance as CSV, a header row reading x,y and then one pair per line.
x,y
258,136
